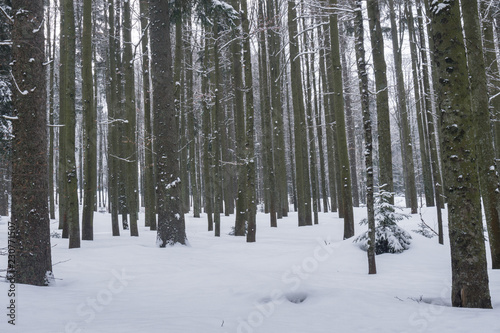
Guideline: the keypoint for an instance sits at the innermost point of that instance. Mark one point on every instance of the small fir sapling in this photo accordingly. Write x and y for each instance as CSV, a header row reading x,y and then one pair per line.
x,y
389,237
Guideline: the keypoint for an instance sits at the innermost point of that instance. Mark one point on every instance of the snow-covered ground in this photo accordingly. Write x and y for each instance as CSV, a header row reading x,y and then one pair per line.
x,y
292,279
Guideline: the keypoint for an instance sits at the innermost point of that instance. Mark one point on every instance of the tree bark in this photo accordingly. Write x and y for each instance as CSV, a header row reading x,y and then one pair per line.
x,y
458,126
171,224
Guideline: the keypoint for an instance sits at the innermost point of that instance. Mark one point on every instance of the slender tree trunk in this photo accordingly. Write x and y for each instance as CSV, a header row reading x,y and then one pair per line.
x,y
367,126
216,133
130,126
149,182
382,96
301,151
113,104
488,175
267,128
250,130
432,132
458,126
422,132
403,113
90,122
338,100
207,141
68,174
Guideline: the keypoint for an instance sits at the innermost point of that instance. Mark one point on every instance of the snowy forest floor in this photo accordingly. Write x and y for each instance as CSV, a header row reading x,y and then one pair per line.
x,y
291,280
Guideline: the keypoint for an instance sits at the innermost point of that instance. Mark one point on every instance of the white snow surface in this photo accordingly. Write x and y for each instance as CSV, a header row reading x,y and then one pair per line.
x,y
291,280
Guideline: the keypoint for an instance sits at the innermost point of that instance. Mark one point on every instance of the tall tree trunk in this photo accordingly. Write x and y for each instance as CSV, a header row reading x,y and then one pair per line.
x,y
487,166
30,211
90,122
149,182
192,132
130,125
382,96
239,116
68,174
207,141
250,129
50,58
406,143
367,126
338,100
431,130
422,129
171,224
301,151
267,128
216,133
112,102
458,126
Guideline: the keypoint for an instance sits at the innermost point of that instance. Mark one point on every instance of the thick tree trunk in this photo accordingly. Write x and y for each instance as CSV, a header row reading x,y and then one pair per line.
x,y
458,126
171,225
30,232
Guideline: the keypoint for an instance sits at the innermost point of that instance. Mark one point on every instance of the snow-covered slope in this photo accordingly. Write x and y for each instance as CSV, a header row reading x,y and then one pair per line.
x,y
291,280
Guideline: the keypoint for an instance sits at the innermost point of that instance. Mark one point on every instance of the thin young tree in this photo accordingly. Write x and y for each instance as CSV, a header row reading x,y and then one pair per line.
x,y
90,124
30,211
458,127
171,224
367,126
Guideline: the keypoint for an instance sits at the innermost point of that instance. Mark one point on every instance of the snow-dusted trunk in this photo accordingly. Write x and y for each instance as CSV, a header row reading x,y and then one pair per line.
x,y
250,129
338,100
488,174
459,158
367,126
382,97
30,236
68,209
171,225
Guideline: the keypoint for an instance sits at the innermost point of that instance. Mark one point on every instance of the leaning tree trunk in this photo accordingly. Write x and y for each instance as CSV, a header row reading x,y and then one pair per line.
x,y
458,127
